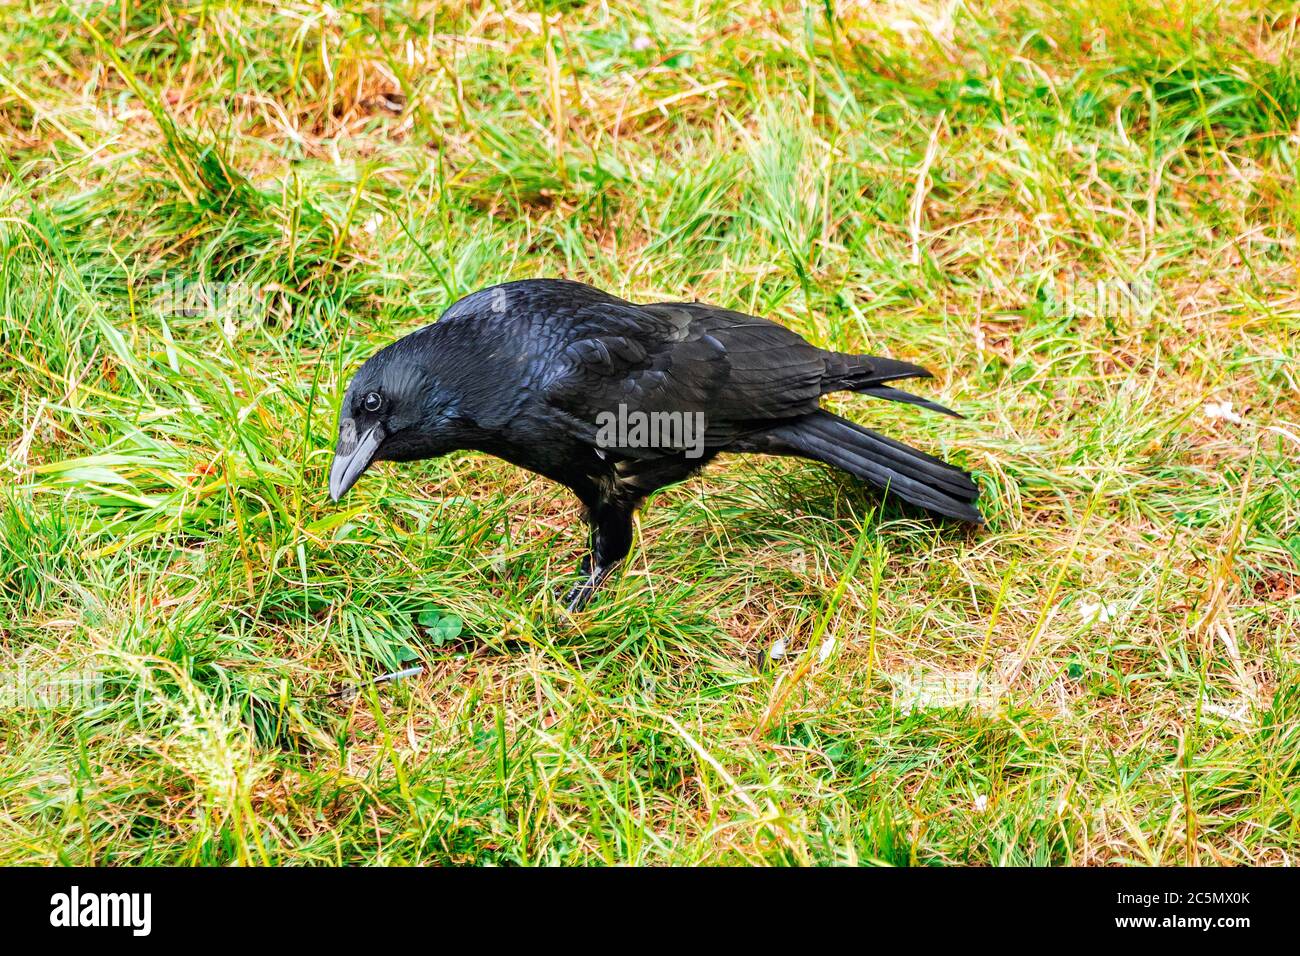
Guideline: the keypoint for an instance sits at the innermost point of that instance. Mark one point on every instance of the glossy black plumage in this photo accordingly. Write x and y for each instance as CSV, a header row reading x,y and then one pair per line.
x,y
525,370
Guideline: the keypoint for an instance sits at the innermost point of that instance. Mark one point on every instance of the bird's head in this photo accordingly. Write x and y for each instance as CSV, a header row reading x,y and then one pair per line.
x,y
395,409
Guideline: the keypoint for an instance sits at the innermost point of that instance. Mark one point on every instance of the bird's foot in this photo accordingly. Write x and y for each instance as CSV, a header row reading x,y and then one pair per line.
x,y
579,595
584,590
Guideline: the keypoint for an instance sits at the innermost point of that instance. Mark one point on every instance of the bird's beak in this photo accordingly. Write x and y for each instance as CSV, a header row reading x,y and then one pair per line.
x,y
352,456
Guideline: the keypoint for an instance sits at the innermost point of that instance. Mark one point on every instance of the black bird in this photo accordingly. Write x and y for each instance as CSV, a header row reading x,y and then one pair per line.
x,y
617,400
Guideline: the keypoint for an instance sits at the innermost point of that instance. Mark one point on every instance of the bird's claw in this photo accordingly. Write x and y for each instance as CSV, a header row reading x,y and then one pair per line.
x,y
579,595
584,590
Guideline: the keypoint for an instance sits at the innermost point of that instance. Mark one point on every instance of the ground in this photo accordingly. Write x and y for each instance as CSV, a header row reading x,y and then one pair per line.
x,y
1081,216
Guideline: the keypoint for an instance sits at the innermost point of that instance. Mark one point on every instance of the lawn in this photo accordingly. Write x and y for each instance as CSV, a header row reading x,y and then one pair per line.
x,y
1081,216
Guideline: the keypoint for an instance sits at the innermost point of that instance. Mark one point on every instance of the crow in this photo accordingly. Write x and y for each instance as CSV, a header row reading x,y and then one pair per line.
x,y
616,400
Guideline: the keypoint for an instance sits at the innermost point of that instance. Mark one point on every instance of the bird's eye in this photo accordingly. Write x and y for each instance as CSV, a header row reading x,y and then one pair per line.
x,y
373,401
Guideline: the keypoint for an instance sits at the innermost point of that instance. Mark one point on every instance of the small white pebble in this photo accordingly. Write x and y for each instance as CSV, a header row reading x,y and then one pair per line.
x,y
1096,612
1221,411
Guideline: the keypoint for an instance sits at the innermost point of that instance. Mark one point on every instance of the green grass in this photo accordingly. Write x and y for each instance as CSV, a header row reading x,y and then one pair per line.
x,y
944,183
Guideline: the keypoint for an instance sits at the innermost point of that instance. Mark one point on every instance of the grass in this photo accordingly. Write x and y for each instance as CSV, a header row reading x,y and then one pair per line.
x,y
1082,216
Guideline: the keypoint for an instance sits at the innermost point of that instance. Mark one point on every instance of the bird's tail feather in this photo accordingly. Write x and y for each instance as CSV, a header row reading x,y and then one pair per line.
x,y
912,475
898,395
869,373
856,372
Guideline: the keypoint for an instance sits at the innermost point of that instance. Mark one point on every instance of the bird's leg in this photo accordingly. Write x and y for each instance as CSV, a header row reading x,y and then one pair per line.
x,y
611,539
583,591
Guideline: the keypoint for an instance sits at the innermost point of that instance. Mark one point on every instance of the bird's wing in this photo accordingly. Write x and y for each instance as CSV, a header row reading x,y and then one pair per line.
x,y
737,372
774,372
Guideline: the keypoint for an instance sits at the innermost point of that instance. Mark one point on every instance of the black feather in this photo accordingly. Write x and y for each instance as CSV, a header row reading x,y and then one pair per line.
x,y
898,395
